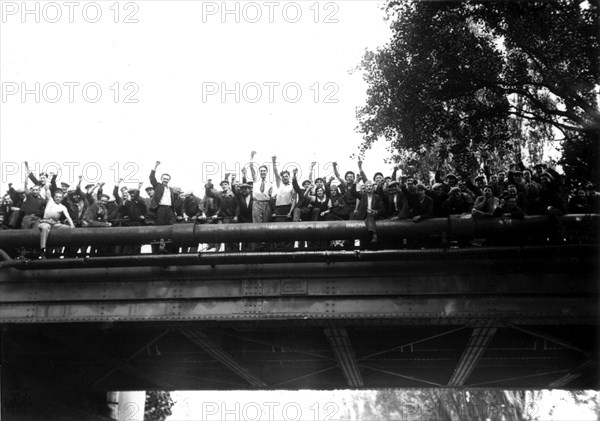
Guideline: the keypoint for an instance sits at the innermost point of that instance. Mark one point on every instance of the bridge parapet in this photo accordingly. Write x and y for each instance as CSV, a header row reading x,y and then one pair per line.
x,y
532,228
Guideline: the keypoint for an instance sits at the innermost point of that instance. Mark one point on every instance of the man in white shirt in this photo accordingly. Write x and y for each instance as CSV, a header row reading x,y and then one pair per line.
x,y
163,199
261,193
285,195
53,214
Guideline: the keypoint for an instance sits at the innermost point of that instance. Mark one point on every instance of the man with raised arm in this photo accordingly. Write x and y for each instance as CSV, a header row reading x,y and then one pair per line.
x,y
285,197
348,198
44,183
262,191
32,207
163,199
302,210
53,214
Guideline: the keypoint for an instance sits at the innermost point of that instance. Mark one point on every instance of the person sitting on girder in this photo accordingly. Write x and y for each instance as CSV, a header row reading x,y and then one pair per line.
x,y
370,208
393,200
54,214
417,206
486,204
7,212
457,202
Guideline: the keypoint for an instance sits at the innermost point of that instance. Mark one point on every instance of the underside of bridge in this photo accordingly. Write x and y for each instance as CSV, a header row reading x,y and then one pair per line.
x,y
311,354
502,317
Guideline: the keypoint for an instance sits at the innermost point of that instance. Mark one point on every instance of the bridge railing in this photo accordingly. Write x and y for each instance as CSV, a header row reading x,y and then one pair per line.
x,y
574,228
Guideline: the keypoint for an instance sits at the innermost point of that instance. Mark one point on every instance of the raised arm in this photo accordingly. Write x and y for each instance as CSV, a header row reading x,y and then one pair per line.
x,y
363,176
53,186
276,171
438,173
26,185
394,173
47,190
295,185
311,172
153,180
252,169
337,173
30,175
97,187
118,199
78,187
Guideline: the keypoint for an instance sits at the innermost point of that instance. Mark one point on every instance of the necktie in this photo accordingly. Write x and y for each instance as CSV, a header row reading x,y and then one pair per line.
x,y
262,186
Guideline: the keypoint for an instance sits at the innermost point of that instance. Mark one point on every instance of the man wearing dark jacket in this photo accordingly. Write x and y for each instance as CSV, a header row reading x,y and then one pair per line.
x,y
418,206
370,208
163,199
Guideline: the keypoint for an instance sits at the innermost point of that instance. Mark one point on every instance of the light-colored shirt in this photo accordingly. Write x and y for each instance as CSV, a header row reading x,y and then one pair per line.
x,y
54,211
165,200
256,190
285,195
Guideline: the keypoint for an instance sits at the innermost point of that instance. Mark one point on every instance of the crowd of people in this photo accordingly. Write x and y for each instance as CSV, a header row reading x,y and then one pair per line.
x,y
518,191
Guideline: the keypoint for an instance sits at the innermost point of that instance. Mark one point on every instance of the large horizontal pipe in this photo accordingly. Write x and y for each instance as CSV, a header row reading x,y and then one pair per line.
x,y
191,235
585,253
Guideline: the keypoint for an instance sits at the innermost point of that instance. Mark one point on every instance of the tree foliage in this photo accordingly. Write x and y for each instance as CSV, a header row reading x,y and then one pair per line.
x,y
158,405
458,77
453,404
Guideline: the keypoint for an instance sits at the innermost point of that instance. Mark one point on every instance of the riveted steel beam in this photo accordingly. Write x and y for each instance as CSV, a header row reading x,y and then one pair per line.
x,y
218,353
339,341
478,342
437,310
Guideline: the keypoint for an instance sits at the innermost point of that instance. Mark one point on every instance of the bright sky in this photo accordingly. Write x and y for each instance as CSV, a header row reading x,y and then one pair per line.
x,y
115,97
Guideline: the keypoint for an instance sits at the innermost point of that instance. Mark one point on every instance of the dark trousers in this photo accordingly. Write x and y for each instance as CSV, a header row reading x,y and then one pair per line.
x,y
164,216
